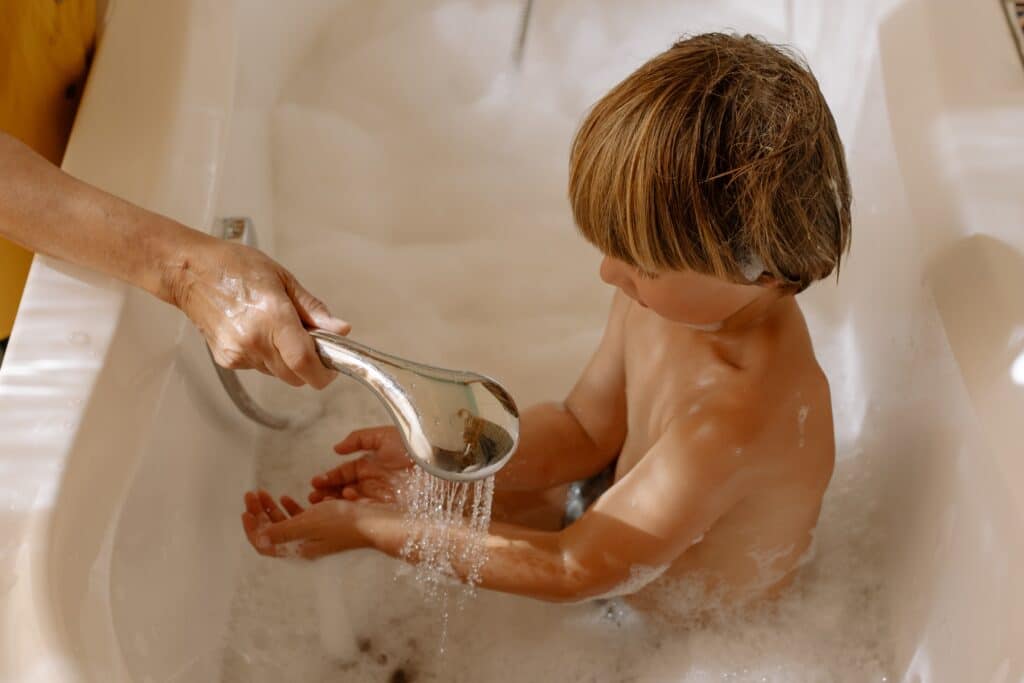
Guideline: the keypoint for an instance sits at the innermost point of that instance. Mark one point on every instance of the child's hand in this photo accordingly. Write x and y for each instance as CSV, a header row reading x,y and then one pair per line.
x,y
320,530
375,476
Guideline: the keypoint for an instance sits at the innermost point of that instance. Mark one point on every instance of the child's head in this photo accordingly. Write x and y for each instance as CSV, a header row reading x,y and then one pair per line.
x,y
712,170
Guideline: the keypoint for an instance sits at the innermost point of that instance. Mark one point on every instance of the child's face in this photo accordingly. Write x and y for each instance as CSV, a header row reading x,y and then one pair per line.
x,y
680,296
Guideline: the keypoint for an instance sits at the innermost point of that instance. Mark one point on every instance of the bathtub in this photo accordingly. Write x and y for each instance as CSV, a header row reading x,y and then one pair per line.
x,y
124,461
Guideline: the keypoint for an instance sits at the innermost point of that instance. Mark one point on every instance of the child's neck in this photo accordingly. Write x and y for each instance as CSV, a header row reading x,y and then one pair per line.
x,y
762,310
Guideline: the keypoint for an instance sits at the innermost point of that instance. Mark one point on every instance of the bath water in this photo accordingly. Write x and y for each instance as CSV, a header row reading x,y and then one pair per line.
x,y
363,617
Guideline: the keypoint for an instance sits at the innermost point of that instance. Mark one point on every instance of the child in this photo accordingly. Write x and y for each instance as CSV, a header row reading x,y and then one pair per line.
x,y
713,180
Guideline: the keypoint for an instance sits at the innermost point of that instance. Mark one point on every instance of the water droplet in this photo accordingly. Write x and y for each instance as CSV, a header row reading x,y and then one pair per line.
x,y
801,419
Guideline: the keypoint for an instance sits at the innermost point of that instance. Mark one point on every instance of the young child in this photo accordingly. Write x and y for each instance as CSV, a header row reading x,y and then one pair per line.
x,y
714,182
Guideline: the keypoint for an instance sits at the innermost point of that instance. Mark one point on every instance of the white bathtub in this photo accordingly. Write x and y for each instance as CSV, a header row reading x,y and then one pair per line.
x,y
124,462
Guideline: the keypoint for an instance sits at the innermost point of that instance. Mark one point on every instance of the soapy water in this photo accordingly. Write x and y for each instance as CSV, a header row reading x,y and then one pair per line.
x,y
801,421
640,577
362,616
397,177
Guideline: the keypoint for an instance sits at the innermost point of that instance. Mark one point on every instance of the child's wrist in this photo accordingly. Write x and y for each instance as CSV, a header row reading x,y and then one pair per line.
x,y
375,525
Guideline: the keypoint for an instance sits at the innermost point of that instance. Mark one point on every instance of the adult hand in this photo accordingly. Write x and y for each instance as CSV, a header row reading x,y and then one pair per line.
x,y
252,311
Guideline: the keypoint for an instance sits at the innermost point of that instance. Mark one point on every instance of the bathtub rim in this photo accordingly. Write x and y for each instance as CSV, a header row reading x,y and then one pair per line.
x,y
177,62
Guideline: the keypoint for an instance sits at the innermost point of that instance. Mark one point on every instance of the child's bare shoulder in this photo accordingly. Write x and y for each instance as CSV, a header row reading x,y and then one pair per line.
x,y
755,416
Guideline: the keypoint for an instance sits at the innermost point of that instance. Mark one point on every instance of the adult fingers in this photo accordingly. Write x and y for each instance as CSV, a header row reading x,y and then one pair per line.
x,y
296,350
312,310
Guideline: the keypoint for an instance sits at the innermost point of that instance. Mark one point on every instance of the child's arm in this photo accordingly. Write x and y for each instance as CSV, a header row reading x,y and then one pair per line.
x,y
575,439
646,520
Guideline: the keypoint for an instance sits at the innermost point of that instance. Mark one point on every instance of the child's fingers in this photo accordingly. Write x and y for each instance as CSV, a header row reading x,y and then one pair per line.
x,y
379,491
360,440
290,506
250,524
259,542
324,494
270,507
347,445
338,476
329,488
391,460
331,477
350,493
252,504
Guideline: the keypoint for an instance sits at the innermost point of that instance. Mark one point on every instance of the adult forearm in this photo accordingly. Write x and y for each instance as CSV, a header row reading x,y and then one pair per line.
x,y
50,212
251,310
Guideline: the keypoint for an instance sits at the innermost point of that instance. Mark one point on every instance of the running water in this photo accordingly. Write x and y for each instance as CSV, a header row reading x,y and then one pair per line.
x,y
447,524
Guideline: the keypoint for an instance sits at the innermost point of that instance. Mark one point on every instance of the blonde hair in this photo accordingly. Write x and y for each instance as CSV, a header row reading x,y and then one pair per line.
x,y
718,155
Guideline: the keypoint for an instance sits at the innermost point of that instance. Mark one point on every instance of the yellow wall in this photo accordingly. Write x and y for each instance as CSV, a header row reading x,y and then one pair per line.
x,y
45,48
